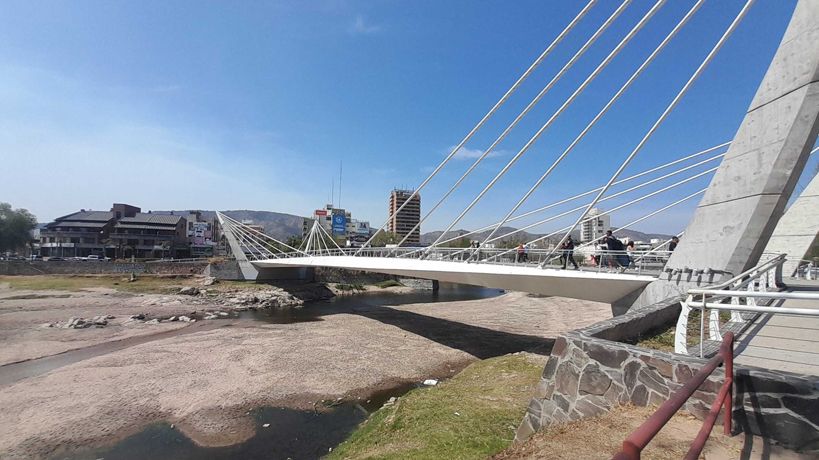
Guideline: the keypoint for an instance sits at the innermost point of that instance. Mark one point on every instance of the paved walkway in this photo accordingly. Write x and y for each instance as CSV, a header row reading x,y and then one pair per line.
x,y
784,342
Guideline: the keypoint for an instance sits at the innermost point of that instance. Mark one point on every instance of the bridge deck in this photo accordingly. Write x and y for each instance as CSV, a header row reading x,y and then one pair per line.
x,y
784,342
594,286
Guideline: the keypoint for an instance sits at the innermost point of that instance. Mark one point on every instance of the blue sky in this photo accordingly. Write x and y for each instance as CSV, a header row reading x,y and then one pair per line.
x,y
252,105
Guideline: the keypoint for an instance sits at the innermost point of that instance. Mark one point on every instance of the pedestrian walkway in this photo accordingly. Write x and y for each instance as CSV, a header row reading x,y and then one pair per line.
x,y
784,342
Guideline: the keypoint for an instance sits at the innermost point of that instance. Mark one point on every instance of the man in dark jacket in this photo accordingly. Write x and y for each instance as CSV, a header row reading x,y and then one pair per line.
x,y
567,253
615,248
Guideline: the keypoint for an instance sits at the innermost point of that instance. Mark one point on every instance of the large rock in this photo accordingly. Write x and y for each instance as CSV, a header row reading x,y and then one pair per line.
x,y
189,290
594,381
209,281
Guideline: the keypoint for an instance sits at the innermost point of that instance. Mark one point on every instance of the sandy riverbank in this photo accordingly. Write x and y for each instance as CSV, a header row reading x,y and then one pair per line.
x,y
205,382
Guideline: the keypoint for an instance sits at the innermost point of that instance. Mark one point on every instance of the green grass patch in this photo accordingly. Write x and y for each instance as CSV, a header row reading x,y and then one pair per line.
x,y
473,415
142,284
663,338
350,287
388,283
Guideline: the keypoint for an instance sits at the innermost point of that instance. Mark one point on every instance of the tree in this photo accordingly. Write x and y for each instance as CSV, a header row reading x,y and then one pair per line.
x,y
15,227
384,238
459,243
511,243
294,241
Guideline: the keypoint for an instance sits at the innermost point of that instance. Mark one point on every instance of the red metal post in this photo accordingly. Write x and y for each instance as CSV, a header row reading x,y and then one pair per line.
x,y
640,437
728,344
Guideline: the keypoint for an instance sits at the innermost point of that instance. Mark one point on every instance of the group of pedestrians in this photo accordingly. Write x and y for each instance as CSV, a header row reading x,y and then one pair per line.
x,y
610,252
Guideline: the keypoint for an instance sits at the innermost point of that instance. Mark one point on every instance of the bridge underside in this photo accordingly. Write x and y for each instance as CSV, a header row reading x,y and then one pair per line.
x,y
598,287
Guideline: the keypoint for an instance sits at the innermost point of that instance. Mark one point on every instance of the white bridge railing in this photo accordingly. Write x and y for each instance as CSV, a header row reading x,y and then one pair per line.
x,y
807,269
741,294
597,260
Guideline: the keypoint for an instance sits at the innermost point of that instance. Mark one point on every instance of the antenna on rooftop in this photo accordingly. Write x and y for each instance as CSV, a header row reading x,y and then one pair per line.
x,y
340,165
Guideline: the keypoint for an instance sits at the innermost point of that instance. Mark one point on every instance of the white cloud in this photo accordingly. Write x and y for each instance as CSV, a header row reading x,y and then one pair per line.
x,y
465,153
361,27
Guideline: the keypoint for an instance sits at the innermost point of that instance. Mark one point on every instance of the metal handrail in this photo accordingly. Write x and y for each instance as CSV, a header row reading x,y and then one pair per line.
x,y
809,267
756,281
639,438
765,266
638,260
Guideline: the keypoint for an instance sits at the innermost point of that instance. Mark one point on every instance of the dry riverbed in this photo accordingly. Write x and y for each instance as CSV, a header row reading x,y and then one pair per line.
x,y
206,381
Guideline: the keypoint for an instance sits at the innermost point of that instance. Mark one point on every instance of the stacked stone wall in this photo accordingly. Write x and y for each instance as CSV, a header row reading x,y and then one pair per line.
x,y
340,275
70,267
587,374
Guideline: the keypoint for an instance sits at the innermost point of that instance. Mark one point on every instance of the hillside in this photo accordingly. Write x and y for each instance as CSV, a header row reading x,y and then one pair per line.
x,y
276,224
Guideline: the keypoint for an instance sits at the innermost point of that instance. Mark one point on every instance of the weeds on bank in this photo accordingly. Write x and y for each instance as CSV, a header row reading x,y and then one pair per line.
x,y
663,338
388,283
350,287
472,415
141,284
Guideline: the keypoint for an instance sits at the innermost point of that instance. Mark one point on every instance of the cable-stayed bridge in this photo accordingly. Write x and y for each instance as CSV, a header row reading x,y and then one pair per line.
x,y
742,186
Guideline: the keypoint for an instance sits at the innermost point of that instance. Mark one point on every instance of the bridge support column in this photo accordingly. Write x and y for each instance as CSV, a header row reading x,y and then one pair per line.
x,y
798,230
747,196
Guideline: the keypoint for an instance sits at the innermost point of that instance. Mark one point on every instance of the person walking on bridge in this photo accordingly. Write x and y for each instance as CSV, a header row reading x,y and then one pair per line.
x,y
522,256
567,253
615,251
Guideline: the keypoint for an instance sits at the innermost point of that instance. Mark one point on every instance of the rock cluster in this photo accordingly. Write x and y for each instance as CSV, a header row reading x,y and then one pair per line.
x,y
82,323
268,298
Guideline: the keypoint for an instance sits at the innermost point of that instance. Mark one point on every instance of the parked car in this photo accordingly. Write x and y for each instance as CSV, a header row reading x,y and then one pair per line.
x,y
93,258
36,257
55,259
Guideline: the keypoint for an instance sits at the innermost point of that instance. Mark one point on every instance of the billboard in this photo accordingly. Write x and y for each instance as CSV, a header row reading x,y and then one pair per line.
x,y
320,212
339,224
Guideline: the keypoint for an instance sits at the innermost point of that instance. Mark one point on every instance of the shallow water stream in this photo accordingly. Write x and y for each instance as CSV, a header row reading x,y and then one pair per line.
x,y
291,433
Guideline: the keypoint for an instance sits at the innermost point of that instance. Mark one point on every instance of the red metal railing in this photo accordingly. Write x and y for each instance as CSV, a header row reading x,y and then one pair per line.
x,y
639,438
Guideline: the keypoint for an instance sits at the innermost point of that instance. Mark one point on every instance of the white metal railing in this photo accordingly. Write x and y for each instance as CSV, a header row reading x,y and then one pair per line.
x,y
742,291
641,262
807,269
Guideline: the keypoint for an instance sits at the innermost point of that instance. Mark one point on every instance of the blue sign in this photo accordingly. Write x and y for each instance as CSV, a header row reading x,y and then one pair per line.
x,y
339,224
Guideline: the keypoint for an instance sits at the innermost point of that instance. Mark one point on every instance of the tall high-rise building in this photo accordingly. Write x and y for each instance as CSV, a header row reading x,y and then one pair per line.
x,y
595,227
402,222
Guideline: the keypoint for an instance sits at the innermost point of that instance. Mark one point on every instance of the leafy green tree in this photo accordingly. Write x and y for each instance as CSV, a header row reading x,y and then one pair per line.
x,y
459,243
384,238
15,227
511,243
294,241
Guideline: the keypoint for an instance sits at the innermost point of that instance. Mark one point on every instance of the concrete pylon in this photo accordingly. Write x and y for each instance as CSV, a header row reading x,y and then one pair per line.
x,y
798,230
747,196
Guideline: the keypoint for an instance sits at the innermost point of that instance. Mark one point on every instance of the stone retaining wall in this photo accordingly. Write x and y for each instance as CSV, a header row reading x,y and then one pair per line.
x,y
340,275
587,374
70,267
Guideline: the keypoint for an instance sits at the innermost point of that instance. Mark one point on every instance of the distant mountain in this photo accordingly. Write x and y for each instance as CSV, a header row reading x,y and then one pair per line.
x,y
276,224
640,236
430,237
